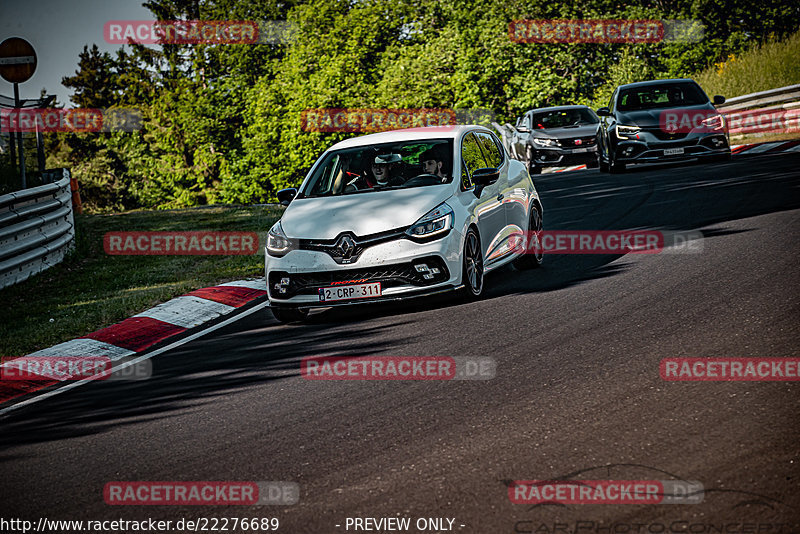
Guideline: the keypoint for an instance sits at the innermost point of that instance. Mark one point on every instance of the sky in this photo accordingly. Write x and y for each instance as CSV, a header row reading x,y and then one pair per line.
x,y
58,30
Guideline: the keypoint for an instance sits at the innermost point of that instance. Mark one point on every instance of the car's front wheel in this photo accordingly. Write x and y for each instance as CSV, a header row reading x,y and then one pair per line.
x,y
289,315
472,268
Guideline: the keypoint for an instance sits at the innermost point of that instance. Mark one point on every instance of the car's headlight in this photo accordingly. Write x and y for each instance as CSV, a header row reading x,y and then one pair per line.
x,y
626,132
277,243
434,224
714,123
542,141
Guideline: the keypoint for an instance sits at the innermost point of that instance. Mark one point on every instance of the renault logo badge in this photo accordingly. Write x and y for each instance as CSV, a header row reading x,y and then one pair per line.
x,y
345,246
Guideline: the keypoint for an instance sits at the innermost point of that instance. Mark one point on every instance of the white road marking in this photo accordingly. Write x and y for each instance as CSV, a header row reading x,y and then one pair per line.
x,y
133,361
187,311
82,347
252,284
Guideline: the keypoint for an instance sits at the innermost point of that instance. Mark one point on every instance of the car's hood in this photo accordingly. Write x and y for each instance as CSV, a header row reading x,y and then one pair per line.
x,y
361,213
649,118
587,130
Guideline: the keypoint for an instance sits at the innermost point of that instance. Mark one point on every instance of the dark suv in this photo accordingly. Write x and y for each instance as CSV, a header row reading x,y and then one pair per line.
x,y
658,121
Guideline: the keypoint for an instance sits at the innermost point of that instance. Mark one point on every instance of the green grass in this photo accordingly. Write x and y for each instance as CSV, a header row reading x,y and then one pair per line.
x,y
91,290
768,66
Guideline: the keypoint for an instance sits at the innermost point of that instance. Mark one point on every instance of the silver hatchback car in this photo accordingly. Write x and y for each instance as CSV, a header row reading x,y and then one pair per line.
x,y
400,214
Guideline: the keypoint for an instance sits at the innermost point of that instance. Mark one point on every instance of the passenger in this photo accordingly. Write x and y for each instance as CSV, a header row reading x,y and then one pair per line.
x,y
433,163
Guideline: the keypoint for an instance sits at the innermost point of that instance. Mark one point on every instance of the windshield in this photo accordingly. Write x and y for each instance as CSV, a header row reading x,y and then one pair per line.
x,y
559,118
661,96
382,166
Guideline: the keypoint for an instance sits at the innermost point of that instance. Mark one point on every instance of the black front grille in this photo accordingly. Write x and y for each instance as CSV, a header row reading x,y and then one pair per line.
x,y
389,276
661,135
584,141
360,244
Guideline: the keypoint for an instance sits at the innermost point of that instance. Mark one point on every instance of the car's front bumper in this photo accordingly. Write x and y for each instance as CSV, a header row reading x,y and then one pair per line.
x,y
564,156
650,149
294,280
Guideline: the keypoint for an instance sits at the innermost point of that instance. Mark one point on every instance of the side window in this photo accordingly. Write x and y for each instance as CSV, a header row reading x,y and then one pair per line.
x,y
527,121
611,102
492,153
472,157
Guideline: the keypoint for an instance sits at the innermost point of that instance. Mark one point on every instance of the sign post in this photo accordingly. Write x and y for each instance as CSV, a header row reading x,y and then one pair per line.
x,y
17,65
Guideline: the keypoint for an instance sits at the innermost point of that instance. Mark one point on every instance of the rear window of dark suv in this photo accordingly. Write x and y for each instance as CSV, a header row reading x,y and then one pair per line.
x,y
668,95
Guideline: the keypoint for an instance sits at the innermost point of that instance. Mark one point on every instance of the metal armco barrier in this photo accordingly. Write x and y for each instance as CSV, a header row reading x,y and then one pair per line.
x,y
766,112
36,229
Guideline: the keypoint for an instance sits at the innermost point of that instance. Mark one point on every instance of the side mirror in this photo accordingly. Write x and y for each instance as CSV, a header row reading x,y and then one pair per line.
x,y
484,177
603,112
285,196
719,100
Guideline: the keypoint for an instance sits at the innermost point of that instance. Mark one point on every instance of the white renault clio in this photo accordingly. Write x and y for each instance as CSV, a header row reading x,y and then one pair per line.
x,y
401,214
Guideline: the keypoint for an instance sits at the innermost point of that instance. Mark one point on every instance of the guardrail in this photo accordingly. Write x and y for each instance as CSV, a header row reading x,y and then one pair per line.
x,y
767,112
36,228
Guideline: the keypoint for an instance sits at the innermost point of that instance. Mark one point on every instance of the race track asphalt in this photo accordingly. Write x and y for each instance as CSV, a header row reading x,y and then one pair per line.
x,y
577,394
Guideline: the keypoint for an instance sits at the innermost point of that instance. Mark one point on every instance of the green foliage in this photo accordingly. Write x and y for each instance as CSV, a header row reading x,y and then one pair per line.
x,y
774,64
223,123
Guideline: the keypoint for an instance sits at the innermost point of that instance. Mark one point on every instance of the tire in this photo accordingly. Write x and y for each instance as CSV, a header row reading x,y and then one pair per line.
x,y
472,266
602,165
289,315
616,168
531,260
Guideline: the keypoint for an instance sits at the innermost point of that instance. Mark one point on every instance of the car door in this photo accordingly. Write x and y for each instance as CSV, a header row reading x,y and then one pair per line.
x,y
488,211
513,189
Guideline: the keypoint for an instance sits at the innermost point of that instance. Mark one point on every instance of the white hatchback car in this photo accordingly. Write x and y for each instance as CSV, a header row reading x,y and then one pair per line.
x,y
401,214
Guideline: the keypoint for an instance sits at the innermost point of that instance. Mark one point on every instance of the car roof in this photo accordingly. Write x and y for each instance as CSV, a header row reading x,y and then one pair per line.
x,y
556,108
409,134
656,82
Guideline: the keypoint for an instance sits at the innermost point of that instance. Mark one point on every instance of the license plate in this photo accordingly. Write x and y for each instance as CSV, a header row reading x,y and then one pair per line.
x,y
354,291
673,151
578,150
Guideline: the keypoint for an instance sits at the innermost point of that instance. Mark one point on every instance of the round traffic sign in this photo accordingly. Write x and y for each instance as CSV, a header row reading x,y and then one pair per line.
x,y
17,60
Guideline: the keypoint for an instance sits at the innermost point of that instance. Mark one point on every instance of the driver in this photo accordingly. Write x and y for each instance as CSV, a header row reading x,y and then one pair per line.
x,y
433,163
383,170
386,170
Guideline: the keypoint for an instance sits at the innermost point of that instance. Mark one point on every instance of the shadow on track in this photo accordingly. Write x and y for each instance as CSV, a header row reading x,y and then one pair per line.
x,y
684,197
